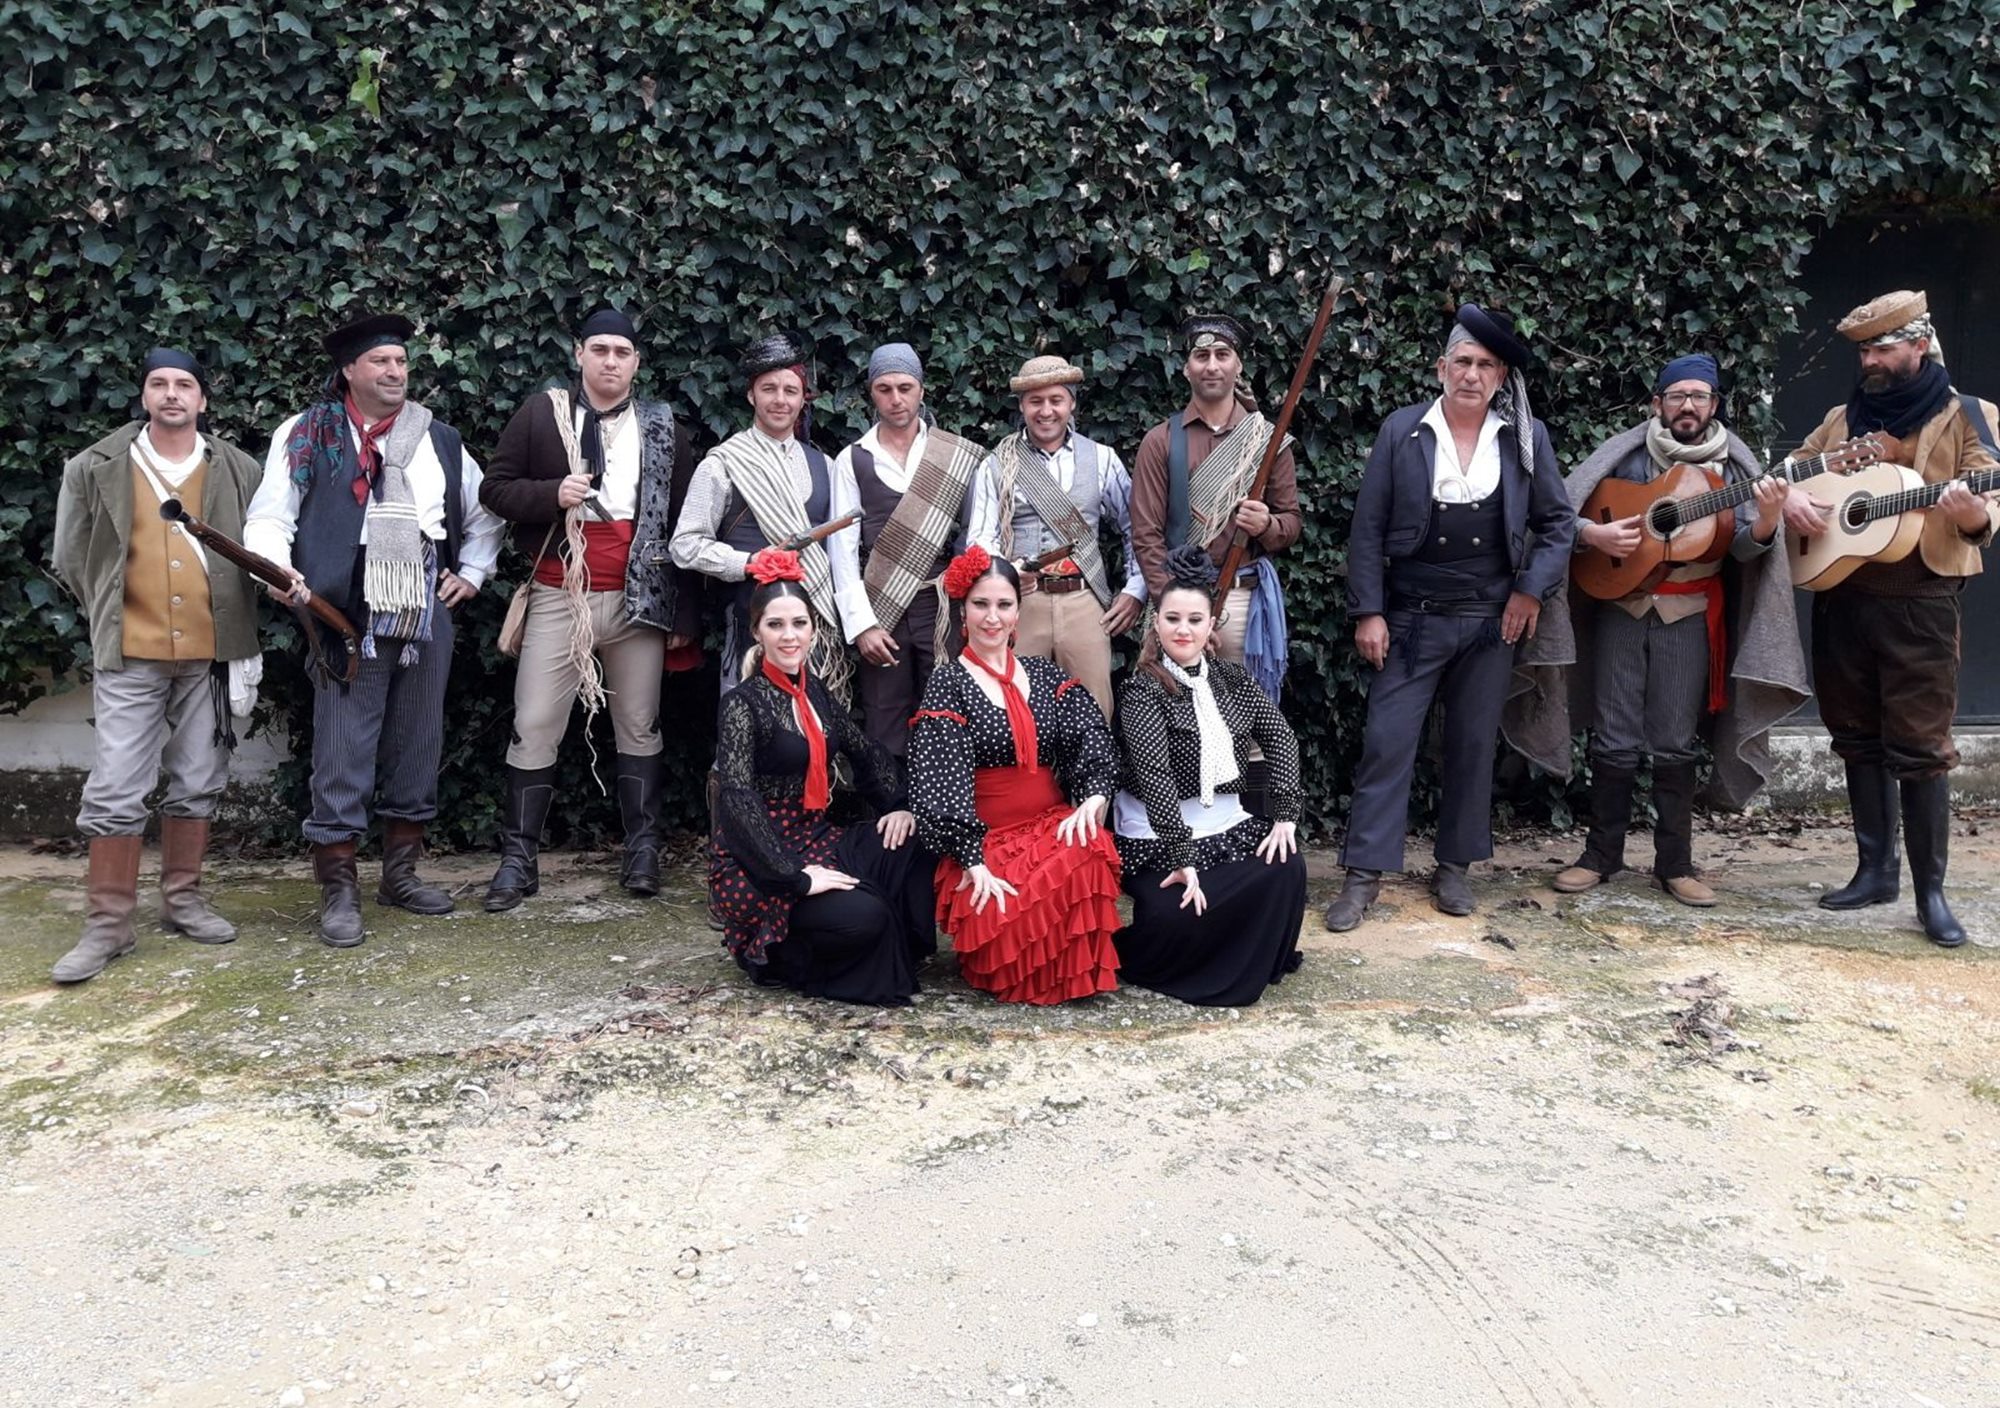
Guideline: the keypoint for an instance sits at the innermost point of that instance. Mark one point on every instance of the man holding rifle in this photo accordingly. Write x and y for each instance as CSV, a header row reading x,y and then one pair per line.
x,y
170,630
1461,528
375,505
1047,487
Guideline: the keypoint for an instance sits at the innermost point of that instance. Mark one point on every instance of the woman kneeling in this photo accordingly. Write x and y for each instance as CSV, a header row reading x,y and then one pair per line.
x,y
1012,769
1218,895
836,913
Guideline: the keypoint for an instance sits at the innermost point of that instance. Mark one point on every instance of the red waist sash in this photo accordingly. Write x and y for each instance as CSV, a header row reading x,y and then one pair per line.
x,y
1718,640
1008,796
606,546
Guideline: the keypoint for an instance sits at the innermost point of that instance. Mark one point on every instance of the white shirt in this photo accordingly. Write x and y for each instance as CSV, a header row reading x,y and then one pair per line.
x,y
619,491
273,519
175,472
850,593
1453,483
1114,503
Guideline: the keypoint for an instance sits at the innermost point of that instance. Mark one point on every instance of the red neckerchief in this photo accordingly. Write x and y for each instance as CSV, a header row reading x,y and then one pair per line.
x,y
368,459
1020,718
819,789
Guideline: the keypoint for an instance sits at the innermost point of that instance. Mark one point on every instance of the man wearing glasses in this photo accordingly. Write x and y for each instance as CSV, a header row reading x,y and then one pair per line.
x,y
1461,529
1657,657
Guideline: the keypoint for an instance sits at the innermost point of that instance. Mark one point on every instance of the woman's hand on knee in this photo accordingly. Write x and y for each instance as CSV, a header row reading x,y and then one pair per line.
x,y
1082,825
986,886
895,828
825,878
1280,844
1187,876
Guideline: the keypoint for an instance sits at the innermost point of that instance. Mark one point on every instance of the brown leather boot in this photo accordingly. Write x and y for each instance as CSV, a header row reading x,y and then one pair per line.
x,y
402,848
184,909
339,894
109,899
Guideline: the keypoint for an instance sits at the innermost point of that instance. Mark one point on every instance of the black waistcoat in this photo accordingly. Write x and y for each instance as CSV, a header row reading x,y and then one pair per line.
x,y
1462,562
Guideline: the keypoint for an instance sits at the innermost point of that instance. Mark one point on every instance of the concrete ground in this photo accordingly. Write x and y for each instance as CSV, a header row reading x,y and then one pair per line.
x,y
1567,1152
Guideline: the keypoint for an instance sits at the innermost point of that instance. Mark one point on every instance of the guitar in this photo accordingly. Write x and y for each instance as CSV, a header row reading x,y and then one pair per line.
x,y
1688,515
1877,517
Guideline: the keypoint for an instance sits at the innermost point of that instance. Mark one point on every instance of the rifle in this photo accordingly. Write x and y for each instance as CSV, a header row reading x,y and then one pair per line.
x,y
798,541
1239,542
1048,559
269,572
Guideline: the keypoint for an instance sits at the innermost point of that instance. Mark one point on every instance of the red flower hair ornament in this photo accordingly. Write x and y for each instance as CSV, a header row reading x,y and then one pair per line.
x,y
967,568
770,565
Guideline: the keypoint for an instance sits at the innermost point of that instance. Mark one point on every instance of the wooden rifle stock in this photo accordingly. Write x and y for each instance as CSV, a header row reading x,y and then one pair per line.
x,y
798,541
1239,541
269,572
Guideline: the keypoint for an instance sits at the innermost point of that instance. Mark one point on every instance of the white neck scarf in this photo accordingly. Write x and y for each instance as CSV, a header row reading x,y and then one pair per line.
x,y
1218,747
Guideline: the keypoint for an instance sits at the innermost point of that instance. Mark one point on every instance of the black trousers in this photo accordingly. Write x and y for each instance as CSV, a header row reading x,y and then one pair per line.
x,y
1460,663
1885,670
889,695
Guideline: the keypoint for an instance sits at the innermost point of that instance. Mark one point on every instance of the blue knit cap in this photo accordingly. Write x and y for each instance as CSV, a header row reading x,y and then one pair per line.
x,y
1696,366
895,359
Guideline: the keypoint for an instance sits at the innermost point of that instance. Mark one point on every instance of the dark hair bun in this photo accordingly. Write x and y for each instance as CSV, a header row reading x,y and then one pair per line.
x,y
1189,565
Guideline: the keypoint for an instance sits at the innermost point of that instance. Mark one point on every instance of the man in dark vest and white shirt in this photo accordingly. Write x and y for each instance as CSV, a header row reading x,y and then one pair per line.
x,y
172,629
910,481
374,503
594,464
1461,528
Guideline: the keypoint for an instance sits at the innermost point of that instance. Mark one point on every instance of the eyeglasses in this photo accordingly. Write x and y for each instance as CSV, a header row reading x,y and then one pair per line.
x,y
1688,398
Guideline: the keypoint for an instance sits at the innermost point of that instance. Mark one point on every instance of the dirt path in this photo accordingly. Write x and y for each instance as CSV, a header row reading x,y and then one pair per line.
x,y
568,1156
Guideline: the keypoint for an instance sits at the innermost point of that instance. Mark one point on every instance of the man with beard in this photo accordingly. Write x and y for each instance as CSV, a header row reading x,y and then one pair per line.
x,y
1885,642
1461,529
1659,656
588,475
172,629
374,504
1191,484
909,481
1047,486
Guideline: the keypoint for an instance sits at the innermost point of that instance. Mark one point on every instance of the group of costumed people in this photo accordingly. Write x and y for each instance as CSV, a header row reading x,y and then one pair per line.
x,y
959,595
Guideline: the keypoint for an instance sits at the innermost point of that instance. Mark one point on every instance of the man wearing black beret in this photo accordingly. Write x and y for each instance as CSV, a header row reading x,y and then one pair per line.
x,y
1461,528
591,477
172,629
374,504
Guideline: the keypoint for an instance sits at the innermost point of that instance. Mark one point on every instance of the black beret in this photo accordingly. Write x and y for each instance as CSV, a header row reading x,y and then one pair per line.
x,y
365,334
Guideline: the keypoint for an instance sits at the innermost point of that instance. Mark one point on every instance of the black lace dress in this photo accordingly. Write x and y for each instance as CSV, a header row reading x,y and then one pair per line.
x,y
1248,936
859,945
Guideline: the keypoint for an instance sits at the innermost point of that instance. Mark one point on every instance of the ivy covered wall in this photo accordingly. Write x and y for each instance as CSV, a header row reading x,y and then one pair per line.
x,y
985,179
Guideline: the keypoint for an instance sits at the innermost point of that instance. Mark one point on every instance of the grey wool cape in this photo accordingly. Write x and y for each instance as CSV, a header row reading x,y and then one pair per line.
x,y
1550,698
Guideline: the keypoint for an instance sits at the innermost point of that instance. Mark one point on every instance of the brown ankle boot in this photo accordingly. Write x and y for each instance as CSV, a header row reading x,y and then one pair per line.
x,y
184,909
339,894
111,896
402,848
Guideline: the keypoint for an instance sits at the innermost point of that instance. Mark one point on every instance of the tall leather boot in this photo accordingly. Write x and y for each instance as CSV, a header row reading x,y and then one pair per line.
x,y
1673,835
639,809
1610,816
1927,824
110,896
402,848
1871,795
529,792
339,894
184,909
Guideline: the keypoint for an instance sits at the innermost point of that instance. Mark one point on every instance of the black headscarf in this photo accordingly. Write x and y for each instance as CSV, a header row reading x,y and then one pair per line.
x,y
1901,410
603,320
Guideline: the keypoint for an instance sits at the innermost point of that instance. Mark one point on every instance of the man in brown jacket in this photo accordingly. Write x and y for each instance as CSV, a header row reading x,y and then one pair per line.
x,y
1885,641
167,621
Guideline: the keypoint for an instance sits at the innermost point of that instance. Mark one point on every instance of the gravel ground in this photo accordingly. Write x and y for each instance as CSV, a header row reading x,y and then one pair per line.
x,y
1600,1151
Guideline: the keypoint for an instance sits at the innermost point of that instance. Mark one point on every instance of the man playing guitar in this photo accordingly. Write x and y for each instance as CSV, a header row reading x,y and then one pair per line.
x,y
1885,641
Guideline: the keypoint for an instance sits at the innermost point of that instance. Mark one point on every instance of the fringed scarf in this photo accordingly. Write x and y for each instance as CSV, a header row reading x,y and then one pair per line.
x,y
1020,718
1218,745
819,784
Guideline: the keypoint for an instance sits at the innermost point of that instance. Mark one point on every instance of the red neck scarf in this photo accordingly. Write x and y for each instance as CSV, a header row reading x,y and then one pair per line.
x,y
368,458
819,788
1020,718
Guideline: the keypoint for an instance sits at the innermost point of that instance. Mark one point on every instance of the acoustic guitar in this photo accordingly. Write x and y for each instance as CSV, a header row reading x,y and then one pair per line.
x,y
1688,515
1878,515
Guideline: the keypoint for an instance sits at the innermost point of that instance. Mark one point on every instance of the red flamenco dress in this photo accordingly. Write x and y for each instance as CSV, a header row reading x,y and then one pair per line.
x,y
991,789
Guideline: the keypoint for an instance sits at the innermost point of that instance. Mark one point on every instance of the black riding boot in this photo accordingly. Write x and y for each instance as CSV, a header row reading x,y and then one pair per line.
x,y
1673,825
529,792
1610,817
1927,826
1871,794
639,807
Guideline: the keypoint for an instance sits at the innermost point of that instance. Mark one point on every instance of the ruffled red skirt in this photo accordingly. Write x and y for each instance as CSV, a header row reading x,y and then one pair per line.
x,y
1053,943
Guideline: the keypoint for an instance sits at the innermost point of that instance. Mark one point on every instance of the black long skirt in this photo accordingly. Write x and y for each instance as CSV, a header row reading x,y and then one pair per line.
x,y
861,945
1247,938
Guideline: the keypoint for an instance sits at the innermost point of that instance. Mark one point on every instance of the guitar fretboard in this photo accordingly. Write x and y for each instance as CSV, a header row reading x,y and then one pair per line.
x,y
1907,500
1700,506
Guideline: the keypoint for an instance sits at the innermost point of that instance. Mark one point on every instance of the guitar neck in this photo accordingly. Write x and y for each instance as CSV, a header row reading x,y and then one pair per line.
x,y
1730,495
1924,496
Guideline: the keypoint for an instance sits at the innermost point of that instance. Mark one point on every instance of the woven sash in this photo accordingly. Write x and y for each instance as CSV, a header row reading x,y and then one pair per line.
x,y
922,525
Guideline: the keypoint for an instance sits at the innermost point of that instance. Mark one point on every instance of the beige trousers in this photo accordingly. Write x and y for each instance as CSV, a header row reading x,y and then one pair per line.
x,y
1068,628
1229,633
632,656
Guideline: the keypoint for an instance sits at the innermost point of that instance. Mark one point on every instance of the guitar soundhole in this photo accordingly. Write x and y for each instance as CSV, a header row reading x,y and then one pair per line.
x,y
1854,513
1665,518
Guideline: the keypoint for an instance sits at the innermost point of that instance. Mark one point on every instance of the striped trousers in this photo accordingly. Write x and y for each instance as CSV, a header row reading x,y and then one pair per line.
x,y
387,725
1650,681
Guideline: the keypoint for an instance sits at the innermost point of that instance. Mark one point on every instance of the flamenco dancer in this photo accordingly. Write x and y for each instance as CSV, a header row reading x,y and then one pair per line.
x,y
1218,895
1012,769
842,913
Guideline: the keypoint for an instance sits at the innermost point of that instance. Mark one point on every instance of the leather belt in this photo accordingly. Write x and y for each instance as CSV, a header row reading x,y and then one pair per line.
x,y
1434,606
1052,583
